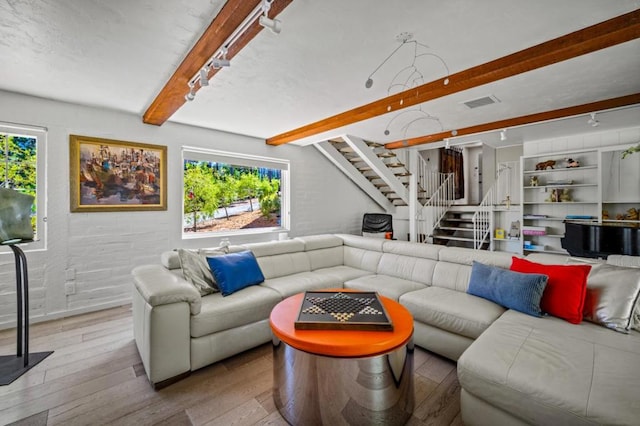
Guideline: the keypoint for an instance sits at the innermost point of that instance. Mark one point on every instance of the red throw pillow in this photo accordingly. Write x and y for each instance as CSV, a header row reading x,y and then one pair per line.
x,y
566,289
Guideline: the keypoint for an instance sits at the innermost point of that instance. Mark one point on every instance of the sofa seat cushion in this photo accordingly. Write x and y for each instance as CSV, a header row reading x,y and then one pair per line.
x,y
385,285
243,307
298,283
343,273
451,310
548,371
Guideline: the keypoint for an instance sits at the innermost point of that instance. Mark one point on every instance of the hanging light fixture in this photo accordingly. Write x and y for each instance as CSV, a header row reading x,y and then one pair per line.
x,y
415,77
592,121
503,135
192,93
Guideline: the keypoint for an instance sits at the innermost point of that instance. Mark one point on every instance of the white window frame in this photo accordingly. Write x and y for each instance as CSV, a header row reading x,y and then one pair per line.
x,y
40,134
239,159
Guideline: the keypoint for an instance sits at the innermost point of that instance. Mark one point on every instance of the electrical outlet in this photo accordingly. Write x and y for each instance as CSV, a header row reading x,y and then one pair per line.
x,y
69,288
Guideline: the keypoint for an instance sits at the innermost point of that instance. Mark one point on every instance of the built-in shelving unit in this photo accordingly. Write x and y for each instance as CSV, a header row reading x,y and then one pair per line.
x,y
603,182
560,191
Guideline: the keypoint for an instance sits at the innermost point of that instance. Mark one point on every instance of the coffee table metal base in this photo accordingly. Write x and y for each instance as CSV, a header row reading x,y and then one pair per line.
x,y
311,389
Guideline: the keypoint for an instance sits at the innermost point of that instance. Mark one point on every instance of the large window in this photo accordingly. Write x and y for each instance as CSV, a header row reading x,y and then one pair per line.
x,y
227,193
22,169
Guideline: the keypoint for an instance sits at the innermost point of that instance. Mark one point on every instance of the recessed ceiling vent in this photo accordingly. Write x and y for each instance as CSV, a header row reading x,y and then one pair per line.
x,y
487,100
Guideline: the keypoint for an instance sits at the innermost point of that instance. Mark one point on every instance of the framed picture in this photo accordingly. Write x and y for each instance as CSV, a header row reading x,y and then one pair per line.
x,y
109,175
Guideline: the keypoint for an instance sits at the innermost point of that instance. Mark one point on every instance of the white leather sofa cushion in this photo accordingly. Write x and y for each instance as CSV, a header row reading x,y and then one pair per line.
x,y
342,273
272,248
406,267
316,242
390,287
158,286
246,306
361,259
466,256
283,264
452,310
427,251
298,283
325,257
454,276
170,260
548,371
356,241
623,260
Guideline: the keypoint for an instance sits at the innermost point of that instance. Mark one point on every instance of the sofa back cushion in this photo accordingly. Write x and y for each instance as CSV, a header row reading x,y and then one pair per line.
x,y
409,268
358,258
284,264
454,268
365,243
426,251
326,258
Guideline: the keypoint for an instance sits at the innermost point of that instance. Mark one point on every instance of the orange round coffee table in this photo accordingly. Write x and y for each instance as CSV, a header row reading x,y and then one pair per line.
x,y
342,376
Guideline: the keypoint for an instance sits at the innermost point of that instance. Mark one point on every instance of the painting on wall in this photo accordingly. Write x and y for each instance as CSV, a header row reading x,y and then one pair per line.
x,y
110,175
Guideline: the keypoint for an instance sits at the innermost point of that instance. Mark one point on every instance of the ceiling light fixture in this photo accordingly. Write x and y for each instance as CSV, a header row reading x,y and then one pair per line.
x,y
503,135
446,144
592,121
204,76
219,58
192,93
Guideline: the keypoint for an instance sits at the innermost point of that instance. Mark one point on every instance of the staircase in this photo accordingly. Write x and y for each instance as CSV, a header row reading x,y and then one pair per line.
x,y
456,229
386,172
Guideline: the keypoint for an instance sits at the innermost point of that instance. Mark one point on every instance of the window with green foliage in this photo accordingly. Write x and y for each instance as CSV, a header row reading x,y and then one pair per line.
x,y
233,193
22,169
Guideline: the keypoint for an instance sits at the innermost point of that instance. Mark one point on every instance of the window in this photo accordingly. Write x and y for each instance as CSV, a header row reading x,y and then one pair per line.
x,y
22,168
228,193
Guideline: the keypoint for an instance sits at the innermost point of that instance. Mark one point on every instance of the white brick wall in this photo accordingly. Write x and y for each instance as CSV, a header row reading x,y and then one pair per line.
x,y
96,251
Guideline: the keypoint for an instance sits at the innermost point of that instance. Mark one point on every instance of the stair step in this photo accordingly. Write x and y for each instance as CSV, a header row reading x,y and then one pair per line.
x,y
457,219
386,155
374,144
394,165
451,238
453,228
402,174
364,169
346,150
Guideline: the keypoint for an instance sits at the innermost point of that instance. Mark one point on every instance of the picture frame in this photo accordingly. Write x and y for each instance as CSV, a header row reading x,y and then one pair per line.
x,y
110,175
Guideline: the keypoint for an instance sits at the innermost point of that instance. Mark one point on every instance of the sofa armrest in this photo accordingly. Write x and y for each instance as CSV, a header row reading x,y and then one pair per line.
x,y
158,286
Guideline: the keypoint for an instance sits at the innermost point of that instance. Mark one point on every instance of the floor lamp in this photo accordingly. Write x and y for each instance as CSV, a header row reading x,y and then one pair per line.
x,y
14,207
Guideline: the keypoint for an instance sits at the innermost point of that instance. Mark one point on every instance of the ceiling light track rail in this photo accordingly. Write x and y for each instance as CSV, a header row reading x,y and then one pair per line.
x,y
219,59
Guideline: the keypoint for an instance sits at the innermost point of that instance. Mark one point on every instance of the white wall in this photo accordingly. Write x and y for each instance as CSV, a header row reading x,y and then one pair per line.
x,y
98,250
601,138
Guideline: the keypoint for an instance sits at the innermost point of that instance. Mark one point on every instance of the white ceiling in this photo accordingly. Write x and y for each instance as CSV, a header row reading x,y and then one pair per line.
x,y
119,54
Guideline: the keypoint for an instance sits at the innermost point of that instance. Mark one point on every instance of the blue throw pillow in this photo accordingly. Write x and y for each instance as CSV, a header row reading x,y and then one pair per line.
x,y
513,290
235,271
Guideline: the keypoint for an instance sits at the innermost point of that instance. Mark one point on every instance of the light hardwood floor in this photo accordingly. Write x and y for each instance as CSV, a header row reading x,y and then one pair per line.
x,y
95,377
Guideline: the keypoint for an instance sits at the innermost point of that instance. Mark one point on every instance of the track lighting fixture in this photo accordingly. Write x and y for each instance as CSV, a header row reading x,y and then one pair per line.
x,y
204,76
503,135
592,121
219,58
273,24
192,93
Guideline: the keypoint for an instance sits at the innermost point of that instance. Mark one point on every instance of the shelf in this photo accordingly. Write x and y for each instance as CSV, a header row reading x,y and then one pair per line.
x,y
507,240
622,202
545,235
544,218
573,185
559,203
546,251
565,169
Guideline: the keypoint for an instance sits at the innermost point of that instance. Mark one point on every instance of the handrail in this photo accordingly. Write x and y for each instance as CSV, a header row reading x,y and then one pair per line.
x,y
439,203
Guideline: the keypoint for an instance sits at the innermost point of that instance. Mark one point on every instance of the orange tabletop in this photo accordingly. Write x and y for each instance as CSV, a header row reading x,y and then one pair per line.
x,y
341,343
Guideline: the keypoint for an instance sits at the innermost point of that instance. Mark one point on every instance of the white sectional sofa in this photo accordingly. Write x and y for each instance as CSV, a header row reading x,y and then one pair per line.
x,y
513,368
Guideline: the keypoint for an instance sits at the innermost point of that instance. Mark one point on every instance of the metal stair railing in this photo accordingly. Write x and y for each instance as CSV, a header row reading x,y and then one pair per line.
x,y
438,204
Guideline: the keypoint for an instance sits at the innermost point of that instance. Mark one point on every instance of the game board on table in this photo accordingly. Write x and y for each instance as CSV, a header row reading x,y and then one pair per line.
x,y
336,310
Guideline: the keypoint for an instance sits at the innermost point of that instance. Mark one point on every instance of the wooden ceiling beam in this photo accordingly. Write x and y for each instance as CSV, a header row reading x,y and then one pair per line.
x,y
587,40
521,121
171,97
